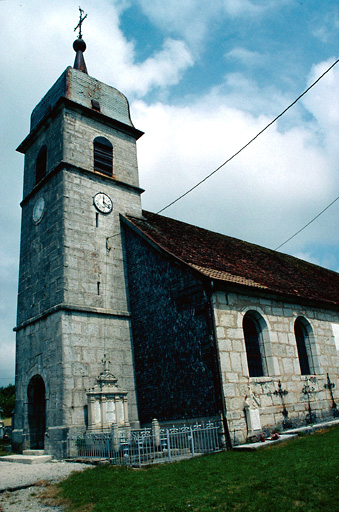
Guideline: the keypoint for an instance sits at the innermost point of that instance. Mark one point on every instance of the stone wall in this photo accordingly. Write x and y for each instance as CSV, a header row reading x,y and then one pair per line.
x,y
172,337
98,320
79,133
41,273
282,362
39,352
72,304
47,135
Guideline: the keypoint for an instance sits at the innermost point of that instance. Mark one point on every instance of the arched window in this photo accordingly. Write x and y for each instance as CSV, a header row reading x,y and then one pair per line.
x,y
103,156
254,343
302,330
41,164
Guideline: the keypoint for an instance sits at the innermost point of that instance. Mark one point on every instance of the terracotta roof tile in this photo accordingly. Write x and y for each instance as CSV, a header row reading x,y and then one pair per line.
x,y
228,259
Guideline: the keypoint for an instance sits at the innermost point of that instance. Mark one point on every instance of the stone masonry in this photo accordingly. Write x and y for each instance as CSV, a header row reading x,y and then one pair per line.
x,y
282,361
72,304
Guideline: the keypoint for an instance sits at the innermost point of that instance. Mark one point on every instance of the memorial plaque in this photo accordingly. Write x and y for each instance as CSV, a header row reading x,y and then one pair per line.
x,y
110,412
120,412
255,419
97,413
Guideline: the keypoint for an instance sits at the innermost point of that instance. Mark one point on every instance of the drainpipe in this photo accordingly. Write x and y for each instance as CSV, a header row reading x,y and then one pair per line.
x,y
218,368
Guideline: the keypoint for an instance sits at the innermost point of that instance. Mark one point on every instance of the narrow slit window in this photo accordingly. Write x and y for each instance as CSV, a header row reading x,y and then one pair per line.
x,y
103,156
41,164
96,220
98,287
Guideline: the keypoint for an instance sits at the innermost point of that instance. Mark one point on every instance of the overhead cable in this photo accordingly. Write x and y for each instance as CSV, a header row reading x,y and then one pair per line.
x,y
306,225
250,142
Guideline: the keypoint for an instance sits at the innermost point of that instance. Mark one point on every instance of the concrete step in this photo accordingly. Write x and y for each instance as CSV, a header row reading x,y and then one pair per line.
x,y
33,452
26,459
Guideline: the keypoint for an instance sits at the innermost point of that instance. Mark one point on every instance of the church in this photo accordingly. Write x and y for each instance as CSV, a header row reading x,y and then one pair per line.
x,y
125,316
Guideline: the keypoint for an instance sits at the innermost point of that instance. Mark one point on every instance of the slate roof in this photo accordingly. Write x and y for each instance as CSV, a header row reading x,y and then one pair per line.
x,y
229,260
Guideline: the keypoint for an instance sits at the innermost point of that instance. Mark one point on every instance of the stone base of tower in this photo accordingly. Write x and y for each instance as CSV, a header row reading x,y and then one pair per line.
x,y
18,440
55,441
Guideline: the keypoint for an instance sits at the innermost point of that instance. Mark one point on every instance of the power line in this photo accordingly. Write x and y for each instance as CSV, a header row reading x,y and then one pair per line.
x,y
248,143
304,227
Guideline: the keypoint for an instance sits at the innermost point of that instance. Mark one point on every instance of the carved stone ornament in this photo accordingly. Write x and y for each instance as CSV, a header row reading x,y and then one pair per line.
x,y
107,403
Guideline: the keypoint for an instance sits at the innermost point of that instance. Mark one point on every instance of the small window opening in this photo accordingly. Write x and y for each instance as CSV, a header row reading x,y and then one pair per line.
x,y
95,105
103,156
96,220
41,164
98,287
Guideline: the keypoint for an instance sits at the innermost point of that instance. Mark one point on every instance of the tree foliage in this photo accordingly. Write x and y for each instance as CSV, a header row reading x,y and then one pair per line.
x,y
7,396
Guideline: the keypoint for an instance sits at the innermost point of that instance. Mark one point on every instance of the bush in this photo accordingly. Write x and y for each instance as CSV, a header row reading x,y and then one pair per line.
x,y
7,398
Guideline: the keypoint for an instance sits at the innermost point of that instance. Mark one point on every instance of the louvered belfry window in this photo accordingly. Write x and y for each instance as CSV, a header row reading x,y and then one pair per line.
x,y
103,156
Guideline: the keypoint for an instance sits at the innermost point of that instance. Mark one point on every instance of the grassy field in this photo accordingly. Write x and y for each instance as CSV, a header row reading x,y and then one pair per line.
x,y
301,475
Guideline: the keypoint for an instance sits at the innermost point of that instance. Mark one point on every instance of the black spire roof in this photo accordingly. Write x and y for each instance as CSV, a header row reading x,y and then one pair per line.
x,y
79,46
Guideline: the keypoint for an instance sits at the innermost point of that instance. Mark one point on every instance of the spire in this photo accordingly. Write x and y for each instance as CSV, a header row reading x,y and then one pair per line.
x,y
79,46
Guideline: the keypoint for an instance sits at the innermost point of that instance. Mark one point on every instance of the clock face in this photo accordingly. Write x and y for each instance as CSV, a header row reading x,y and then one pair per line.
x,y
103,202
38,210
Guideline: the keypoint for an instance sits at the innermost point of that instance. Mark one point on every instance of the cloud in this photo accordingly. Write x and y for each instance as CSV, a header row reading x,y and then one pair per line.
x,y
323,103
248,7
189,20
193,20
161,70
271,189
325,28
110,57
246,57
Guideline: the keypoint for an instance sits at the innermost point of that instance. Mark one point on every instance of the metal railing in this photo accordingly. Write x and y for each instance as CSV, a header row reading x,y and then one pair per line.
x,y
147,446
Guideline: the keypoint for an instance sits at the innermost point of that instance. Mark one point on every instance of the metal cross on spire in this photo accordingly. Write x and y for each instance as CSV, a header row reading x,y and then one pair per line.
x,y
82,19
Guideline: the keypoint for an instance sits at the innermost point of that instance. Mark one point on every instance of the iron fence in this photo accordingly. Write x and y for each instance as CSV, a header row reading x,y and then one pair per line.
x,y
146,446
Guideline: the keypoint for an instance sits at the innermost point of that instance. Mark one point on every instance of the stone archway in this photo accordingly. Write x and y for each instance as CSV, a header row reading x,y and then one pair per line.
x,y
36,393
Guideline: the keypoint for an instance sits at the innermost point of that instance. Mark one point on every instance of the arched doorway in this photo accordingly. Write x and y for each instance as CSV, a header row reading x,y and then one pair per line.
x,y
36,393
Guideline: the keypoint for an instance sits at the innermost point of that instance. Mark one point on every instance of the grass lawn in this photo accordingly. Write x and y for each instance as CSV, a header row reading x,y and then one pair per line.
x,y
7,422
301,475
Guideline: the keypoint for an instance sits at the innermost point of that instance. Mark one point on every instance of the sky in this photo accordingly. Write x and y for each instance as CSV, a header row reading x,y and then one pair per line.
x,y
203,78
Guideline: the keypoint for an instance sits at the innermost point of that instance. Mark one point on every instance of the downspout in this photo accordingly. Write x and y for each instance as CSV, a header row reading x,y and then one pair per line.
x,y
218,368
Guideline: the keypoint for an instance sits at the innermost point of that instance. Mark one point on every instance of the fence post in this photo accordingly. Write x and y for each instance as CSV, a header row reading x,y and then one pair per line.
x,y
168,445
192,441
156,431
116,437
138,443
109,446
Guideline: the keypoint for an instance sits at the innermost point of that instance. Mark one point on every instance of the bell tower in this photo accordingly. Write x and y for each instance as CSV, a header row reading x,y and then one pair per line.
x,y
80,174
